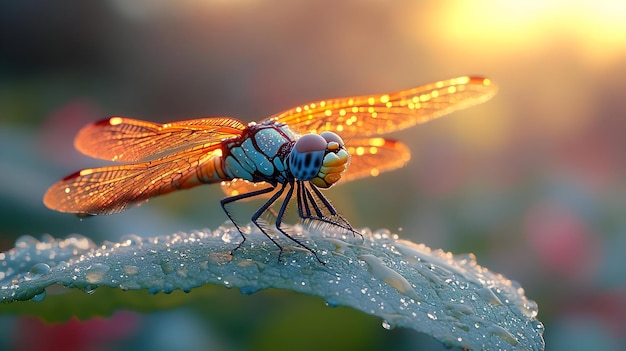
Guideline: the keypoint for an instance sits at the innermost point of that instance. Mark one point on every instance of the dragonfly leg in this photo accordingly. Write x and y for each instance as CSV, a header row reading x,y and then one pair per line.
x,y
226,201
301,201
266,206
259,212
332,210
308,201
279,220
304,209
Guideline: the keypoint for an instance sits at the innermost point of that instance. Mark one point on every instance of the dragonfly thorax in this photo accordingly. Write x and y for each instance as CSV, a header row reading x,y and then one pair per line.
x,y
319,158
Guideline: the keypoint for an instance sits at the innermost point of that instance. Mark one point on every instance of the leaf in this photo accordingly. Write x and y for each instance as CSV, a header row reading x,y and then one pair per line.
x,y
407,285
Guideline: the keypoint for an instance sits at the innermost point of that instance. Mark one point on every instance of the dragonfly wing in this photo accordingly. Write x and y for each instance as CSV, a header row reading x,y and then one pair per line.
x,y
384,113
126,139
109,190
371,156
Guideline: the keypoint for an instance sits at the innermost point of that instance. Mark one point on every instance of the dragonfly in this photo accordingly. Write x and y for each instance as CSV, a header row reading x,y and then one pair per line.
x,y
289,155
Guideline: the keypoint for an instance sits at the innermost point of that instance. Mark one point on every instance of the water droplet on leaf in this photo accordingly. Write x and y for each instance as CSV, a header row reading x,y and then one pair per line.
x,y
39,297
96,273
40,269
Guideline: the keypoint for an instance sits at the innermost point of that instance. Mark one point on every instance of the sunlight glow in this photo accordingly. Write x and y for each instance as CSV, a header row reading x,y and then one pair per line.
x,y
597,29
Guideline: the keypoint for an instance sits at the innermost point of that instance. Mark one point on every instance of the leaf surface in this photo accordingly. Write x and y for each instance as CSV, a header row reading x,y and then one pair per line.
x,y
409,285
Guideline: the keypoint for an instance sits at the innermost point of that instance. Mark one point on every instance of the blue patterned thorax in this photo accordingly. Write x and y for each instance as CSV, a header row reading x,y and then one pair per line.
x,y
260,153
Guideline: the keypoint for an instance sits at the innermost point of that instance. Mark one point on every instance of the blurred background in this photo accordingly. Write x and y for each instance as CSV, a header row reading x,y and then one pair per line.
x,y
532,182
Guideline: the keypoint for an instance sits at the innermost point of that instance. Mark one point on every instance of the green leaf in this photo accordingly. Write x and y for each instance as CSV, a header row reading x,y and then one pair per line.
x,y
405,284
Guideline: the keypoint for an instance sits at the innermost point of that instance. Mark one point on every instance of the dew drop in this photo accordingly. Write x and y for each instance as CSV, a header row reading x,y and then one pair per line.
x,y
25,241
40,269
340,245
96,272
131,239
462,326
380,271
503,334
489,296
220,258
227,237
381,233
247,290
166,267
183,272
459,310
530,309
131,270
76,240
435,279
331,303
387,325
129,285
39,297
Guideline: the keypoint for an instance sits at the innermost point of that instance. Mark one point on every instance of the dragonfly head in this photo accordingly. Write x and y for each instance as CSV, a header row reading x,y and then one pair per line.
x,y
319,158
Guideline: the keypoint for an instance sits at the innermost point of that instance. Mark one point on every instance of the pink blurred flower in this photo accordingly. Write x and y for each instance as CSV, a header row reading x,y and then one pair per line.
x,y
562,241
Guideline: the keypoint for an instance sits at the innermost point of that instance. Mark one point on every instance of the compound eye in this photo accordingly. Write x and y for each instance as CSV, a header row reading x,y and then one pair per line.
x,y
311,143
332,137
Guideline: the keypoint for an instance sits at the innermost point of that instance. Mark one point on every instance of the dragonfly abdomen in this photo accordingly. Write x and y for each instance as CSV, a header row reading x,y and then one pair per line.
x,y
210,171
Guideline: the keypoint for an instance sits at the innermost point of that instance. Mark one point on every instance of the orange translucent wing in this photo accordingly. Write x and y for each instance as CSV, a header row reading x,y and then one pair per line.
x,y
109,190
126,139
242,186
384,113
371,156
